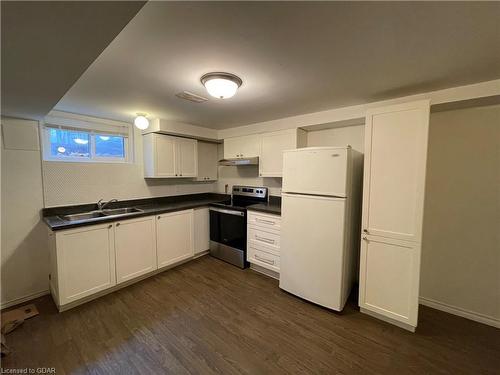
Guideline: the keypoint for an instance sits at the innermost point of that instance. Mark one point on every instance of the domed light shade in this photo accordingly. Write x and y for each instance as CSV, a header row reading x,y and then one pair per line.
x,y
221,85
141,122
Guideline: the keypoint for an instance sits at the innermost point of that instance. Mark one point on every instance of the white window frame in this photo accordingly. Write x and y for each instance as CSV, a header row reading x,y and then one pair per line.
x,y
94,127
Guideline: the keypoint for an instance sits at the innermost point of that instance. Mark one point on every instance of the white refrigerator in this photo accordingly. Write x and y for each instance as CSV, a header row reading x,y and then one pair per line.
x,y
318,258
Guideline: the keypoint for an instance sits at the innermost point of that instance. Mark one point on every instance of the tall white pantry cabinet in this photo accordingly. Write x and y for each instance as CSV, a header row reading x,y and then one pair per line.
x,y
393,201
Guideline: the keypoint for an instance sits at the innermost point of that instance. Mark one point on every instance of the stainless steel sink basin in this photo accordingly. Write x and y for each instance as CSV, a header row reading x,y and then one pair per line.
x,y
120,211
83,216
102,213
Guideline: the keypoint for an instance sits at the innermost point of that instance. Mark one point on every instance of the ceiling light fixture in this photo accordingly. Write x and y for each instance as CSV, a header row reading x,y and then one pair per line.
x,y
221,85
141,122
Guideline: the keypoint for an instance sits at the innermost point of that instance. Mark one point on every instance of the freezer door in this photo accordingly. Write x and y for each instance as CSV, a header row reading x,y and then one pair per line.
x,y
319,171
312,248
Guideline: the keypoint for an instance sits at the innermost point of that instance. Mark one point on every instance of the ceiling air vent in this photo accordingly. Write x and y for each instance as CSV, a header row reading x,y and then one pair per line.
x,y
191,97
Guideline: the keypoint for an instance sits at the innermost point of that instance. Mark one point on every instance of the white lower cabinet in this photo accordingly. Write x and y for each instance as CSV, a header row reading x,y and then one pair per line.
x,y
201,229
263,240
90,260
389,278
174,237
135,248
85,261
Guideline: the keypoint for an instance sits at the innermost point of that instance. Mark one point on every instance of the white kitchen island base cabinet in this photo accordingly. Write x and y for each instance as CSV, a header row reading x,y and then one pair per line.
x,y
84,261
135,247
174,237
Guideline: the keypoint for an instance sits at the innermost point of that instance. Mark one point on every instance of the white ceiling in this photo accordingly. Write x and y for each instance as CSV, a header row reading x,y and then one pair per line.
x,y
293,57
47,45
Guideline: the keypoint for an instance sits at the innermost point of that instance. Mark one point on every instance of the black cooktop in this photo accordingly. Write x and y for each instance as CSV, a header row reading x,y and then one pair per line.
x,y
244,196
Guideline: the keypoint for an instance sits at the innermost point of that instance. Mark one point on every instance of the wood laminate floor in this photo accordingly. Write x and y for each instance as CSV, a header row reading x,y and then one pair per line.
x,y
207,317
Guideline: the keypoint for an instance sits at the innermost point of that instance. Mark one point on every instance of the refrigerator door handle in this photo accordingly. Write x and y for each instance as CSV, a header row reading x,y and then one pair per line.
x,y
333,197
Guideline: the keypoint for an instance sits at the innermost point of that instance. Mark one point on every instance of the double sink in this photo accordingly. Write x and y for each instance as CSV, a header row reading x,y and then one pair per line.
x,y
107,212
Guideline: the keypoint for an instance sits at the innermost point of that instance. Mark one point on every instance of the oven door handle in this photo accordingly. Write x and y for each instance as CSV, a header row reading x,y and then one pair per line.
x,y
225,211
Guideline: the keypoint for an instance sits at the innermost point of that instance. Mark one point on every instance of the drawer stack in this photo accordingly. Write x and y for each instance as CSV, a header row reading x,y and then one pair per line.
x,y
263,240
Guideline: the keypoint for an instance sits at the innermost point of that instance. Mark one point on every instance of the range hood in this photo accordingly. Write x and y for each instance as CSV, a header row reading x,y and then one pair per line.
x,y
240,161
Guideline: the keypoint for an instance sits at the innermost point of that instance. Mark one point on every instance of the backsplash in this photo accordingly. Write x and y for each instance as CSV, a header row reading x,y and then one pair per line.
x,y
79,183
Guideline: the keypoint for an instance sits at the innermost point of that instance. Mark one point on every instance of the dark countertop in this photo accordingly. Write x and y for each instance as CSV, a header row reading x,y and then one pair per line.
x,y
272,207
149,207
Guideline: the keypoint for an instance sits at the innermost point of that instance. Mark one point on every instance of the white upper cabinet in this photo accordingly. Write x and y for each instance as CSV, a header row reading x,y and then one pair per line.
x,y
169,157
165,156
207,161
393,201
135,248
242,147
272,146
187,150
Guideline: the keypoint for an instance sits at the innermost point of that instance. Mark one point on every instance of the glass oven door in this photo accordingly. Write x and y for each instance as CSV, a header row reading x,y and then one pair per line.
x,y
228,227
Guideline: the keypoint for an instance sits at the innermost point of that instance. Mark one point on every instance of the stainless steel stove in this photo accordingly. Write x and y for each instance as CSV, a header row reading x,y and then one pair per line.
x,y
228,224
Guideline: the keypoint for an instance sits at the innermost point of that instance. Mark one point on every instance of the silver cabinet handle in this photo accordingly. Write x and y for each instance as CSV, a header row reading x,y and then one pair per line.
x,y
117,224
268,261
110,226
365,230
365,238
264,239
264,221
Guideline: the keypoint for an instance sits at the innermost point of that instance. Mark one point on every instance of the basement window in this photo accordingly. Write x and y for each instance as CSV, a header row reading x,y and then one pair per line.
x,y
79,141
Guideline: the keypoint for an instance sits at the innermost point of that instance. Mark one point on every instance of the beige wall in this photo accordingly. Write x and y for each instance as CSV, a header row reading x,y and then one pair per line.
x,y
24,259
349,135
461,243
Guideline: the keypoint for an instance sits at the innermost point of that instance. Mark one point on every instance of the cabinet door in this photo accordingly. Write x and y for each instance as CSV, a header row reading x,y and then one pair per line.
x,y
389,278
86,261
271,152
207,161
201,230
232,148
250,146
187,150
135,248
174,237
165,156
394,180
242,147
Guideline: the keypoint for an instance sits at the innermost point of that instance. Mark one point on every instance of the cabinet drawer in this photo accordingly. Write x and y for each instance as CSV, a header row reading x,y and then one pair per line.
x,y
264,221
263,259
260,237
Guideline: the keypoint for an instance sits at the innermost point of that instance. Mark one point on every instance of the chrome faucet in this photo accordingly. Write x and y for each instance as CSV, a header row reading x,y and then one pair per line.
x,y
101,204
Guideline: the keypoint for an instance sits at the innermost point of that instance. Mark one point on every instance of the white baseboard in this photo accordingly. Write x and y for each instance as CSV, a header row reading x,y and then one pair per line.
x,y
477,317
19,300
